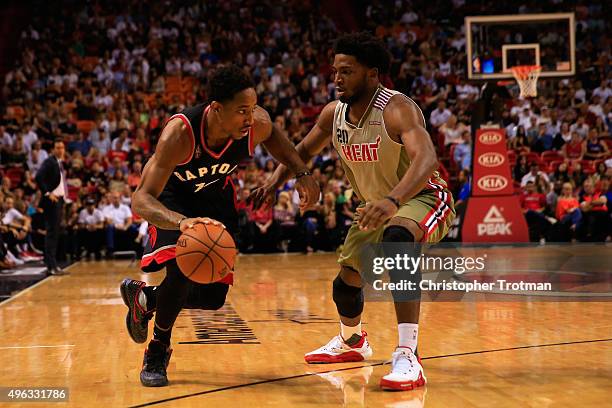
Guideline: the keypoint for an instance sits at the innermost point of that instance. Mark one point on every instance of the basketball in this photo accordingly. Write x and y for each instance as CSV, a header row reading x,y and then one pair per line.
x,y
205,253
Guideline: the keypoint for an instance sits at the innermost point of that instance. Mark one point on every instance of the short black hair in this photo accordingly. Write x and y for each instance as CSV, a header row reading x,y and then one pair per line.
x,y
225,82
366,48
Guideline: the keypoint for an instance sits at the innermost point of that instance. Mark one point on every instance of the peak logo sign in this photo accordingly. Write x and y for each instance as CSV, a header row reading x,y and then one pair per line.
x,y
494,224
491,159
490,138
493,183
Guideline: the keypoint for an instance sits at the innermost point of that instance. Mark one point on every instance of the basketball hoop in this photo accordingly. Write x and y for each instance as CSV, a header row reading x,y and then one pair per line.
x,y
527,78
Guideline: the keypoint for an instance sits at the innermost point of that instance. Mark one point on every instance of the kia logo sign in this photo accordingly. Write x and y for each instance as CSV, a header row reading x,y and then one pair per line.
x,y
491,159
490,138
493,183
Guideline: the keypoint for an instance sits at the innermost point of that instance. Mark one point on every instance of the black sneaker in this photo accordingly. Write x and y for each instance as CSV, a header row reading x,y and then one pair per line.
x,y
137,318
156,359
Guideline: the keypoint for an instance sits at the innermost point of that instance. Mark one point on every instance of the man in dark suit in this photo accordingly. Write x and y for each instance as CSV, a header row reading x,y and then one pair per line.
x,y
51,180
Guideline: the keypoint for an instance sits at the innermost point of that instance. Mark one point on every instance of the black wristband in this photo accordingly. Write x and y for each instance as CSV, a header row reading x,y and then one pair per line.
x,y
394,201
302,174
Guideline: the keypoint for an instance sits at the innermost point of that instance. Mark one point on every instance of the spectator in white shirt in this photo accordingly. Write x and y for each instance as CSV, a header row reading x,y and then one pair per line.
x,y
102,142
466,91
603,91
119,234
596,107
122,143
91,228
440,115
6,140
36,157
525,118
29,138
192,67
579,92
103,100
15,228
452,131
520,107
533,175
580,127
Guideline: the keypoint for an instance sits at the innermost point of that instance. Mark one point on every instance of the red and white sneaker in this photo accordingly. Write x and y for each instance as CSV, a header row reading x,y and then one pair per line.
x,y
406,371
337,351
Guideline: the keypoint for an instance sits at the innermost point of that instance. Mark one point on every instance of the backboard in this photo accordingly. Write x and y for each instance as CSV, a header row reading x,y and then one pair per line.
x,y
494,44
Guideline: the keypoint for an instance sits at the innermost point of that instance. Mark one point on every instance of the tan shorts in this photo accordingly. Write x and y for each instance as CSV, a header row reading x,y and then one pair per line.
x,y
433,210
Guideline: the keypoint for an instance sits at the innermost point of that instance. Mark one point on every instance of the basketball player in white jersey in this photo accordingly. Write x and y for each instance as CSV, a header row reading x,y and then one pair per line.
x,y
390,160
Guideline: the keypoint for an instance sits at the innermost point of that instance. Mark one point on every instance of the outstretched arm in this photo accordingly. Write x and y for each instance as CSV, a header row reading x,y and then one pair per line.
x,y
293,162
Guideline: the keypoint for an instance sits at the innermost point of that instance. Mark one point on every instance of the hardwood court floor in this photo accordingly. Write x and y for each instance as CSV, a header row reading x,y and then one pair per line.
x,y
69,332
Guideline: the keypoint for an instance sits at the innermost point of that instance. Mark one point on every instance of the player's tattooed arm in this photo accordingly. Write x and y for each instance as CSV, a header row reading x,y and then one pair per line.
x,y
173,148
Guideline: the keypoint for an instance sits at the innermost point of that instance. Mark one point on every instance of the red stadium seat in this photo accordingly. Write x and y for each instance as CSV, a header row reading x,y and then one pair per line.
x,y
173,84
15,111
187,84
555,163
15,174
73,192
85,125
550,155
311,112
117,153
588,166
171,97
533,157
89,61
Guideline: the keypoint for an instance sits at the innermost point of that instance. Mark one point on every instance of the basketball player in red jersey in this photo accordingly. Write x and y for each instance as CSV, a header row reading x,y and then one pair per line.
x,y
391,163
188,181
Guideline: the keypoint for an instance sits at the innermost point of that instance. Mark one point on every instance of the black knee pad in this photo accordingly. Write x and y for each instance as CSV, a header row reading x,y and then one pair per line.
x,y
206,296
348,299
396,233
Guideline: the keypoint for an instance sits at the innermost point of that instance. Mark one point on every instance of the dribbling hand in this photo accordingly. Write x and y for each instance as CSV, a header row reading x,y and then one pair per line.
x,y
188,223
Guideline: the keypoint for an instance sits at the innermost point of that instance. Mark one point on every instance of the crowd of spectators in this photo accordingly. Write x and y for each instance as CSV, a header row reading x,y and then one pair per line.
x,y
105,76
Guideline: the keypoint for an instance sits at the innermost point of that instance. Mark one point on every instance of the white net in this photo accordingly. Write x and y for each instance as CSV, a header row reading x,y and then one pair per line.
x,y
527,78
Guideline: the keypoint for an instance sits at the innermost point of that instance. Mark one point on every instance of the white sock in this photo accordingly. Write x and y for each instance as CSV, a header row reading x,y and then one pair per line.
x,y
347,331
408,335
142,299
